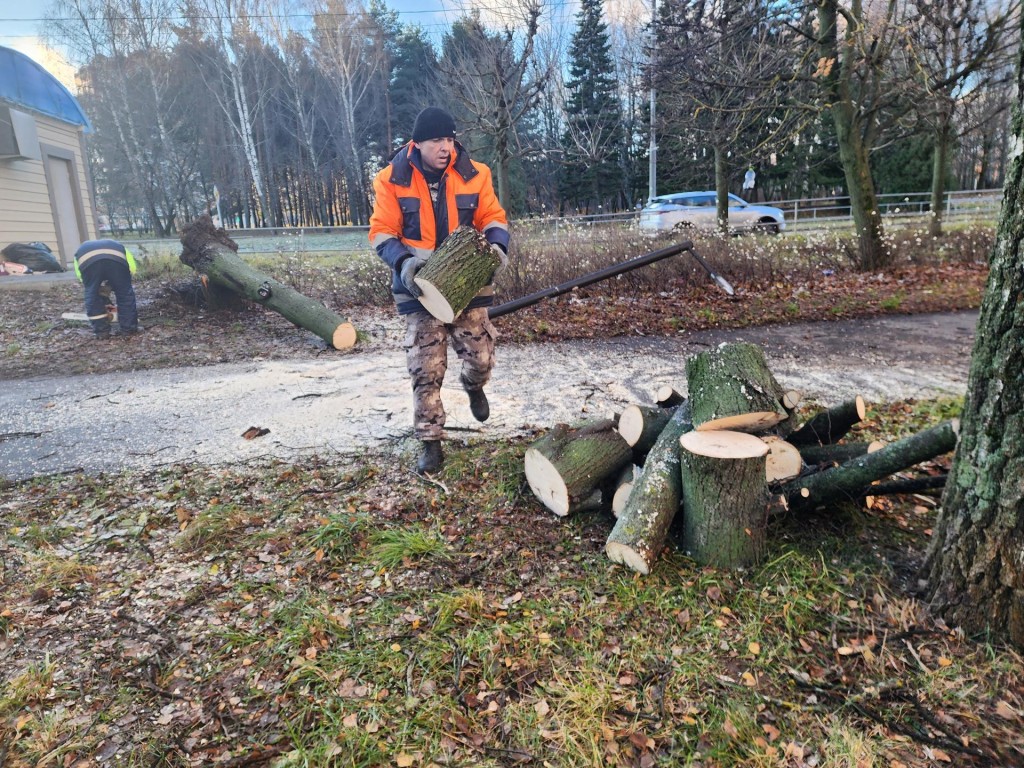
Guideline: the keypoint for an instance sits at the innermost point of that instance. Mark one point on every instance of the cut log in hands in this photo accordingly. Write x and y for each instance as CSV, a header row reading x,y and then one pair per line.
x,y
727,458
213,254
455,273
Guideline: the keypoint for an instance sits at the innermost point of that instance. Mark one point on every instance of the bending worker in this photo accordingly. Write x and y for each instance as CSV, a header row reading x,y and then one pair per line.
x,y
99,261
430,187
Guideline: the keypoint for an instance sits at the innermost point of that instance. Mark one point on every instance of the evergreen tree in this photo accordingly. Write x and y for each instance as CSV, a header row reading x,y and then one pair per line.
x,y
593,142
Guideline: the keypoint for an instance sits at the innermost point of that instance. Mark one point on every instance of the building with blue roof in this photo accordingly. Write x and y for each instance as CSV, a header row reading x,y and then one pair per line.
x,y
46,192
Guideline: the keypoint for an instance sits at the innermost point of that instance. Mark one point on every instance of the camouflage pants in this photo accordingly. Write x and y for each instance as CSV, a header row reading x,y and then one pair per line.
x,y
426,354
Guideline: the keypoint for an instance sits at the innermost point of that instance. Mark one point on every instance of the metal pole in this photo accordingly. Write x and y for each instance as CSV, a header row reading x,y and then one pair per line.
x,y
652,171
592,277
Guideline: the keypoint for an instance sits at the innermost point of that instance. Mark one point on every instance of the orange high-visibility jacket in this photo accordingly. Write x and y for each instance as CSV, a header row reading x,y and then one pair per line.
x,y
406,222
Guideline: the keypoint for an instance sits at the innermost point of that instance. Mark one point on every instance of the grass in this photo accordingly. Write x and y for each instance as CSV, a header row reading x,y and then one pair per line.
x,y
359,616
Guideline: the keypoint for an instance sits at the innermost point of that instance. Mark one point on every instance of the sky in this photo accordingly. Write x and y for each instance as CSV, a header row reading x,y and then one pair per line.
x,y
21,22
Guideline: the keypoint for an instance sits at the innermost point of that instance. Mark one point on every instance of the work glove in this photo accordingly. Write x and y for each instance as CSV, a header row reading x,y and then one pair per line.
x,y
410,267
503,261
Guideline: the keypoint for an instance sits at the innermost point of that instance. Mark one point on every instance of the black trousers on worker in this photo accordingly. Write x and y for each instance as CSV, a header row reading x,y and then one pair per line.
x,y
114,272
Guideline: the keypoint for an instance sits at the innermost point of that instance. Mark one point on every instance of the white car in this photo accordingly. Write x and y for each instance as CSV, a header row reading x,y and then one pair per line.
x,y
697,209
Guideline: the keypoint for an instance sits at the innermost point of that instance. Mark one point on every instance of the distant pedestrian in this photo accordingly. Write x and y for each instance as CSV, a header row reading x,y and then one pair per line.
x,y
107,261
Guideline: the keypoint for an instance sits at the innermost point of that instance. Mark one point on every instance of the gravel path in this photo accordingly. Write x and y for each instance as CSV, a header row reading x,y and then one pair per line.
x,y
359,400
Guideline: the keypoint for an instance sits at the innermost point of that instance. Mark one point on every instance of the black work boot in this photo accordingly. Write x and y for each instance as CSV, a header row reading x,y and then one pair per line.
x,y
431,456
478,404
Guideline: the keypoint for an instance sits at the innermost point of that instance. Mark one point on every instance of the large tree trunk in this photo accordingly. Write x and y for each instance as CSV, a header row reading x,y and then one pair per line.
x,y
725,497
842,68
640,531
210,252
567,466
975,566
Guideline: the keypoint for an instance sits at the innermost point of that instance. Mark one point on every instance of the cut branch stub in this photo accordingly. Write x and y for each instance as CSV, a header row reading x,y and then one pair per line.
x,y
666,397
725,497
455,273
731,388
831,425
212,253
642,526
568,465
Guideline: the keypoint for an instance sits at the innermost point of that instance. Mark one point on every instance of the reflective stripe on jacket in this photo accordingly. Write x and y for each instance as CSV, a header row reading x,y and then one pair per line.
x,y
405,220
102,250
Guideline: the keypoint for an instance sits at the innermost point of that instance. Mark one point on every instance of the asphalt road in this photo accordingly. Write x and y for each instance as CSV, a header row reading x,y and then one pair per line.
x,y
361,400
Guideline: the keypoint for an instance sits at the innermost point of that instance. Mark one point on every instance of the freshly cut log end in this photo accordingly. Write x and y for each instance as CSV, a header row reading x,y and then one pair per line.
x,y
344,336
831,425
546,482
640,425
631,424
623,487
723,444
744,422
627,556
434,301
792,399
784,460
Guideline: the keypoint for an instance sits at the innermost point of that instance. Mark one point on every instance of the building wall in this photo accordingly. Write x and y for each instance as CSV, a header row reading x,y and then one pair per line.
x,y
26,208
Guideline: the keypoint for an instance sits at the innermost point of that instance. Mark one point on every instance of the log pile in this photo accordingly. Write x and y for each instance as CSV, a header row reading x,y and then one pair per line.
x,y
725,459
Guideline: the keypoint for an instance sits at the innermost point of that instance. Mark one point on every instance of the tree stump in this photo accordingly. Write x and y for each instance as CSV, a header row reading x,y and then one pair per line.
x,y
725,497
211,252
731,388
565,467
455,273
642,526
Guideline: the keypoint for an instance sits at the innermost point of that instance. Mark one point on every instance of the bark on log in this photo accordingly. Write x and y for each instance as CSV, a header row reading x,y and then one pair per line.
x,y
910,485
725,497
640,531
640,425
211,252
853,479
455,273
731,388
838,453
831,425
667,397
783,460
565,467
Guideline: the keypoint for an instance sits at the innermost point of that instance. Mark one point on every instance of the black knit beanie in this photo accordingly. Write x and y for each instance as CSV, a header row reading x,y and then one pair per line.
x,y
433,123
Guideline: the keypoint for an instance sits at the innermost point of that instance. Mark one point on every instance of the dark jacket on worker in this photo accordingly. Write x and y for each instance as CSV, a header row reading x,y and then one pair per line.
x,y
406,221
92,251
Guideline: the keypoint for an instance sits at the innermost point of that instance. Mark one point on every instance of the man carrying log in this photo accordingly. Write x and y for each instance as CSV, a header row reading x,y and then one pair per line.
x,y
431,187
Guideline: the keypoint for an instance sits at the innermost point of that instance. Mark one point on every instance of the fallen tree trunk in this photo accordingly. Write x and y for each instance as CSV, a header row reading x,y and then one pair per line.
x,y
853,479
455,273
212,253
568,465
731,388
642,526
831,425
725,497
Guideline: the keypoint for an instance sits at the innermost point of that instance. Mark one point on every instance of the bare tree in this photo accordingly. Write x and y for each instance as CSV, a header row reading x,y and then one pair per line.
x,y
491,76
954,44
